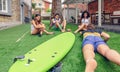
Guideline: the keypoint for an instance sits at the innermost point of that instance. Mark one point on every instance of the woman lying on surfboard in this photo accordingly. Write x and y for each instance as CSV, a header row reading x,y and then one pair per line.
x,y
38,27
93,42
58,23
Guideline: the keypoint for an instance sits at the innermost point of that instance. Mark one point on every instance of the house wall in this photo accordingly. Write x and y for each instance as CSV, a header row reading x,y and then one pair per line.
x,y
26,9
109,6
44,5
72,12
15,6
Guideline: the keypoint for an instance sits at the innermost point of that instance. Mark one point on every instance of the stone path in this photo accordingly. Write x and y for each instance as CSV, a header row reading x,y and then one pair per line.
x,y
5,25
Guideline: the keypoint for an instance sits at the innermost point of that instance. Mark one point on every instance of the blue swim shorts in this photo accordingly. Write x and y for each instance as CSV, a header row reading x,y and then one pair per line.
x,y
94,40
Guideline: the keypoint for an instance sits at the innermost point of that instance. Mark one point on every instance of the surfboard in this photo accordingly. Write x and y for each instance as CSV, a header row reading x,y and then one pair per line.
x,y
46,55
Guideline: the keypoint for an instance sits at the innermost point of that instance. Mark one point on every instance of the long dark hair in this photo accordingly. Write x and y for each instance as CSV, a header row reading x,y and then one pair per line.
x,y
88,14
36,15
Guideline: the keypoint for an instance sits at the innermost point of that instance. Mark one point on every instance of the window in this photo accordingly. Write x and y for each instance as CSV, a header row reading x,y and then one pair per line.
x,y
3,6
40,4
0,5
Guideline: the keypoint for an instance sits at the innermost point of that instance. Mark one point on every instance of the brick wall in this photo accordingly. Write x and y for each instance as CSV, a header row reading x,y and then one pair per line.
x,y
93,7
15,13
26,9
109,6
16,10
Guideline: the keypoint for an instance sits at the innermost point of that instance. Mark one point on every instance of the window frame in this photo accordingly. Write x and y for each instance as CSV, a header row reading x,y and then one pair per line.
x,y
8,10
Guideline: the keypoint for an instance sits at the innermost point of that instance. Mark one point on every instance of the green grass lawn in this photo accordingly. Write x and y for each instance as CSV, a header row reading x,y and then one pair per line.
x,y
73,61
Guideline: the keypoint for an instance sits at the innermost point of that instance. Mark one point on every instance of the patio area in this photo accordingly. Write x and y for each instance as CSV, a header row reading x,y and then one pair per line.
x,y
72,62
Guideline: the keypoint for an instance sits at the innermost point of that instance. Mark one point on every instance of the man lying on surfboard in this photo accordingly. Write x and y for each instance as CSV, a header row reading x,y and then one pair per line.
x,y
38,27
93,42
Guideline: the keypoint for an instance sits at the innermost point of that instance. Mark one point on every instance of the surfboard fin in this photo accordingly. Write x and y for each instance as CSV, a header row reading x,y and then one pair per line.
x,y
18,57
29,61
56,68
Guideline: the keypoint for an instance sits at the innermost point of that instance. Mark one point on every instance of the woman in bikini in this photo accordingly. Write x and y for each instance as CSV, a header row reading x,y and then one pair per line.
x,y
85,21
37,27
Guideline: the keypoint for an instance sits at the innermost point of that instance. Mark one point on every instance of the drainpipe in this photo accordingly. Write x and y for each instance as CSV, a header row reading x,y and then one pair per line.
x,y
99,13
67,12
30,13
76,13
21,11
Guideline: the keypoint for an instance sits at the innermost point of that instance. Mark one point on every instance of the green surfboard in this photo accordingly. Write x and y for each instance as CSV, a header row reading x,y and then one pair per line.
x,y
46,55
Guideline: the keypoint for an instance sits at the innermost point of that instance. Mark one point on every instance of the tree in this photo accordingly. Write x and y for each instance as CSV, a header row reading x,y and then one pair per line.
x,y
48,10
33,5
56,8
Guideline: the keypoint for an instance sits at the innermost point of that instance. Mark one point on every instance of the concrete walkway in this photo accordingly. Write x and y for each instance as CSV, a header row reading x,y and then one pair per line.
x,y
5,25
111,28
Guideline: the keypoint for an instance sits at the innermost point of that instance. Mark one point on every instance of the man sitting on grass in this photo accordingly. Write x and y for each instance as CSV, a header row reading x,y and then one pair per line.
x,y
93,42
57,23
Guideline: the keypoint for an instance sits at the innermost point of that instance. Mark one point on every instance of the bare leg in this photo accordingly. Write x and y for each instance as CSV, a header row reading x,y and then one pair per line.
x,y
88,52
40,33
79,28
48,32
64,25
42,29
57,24
35,31
110,54
51,24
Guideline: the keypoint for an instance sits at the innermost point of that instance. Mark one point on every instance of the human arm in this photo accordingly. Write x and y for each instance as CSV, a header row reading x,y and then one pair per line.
x,y
81,33
53,21
105,36
33,23
43,25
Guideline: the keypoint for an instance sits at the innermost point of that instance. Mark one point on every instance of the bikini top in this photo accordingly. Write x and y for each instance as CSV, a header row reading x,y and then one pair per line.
x,y
85,21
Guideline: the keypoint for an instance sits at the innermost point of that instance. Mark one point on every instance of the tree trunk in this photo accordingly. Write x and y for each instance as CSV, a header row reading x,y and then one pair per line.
x,y
56,8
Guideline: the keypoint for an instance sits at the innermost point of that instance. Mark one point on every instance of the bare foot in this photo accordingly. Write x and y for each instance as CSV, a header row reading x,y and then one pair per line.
x,y
63,30
49,33
75,32
68,30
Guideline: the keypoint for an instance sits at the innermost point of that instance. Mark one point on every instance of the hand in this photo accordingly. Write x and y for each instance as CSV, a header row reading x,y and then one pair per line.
x,y
105,41
57,21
